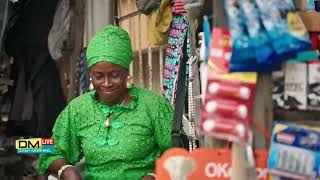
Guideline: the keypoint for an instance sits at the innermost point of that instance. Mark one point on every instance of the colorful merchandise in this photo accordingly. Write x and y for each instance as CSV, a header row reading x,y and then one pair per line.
x,y
294,152
258,38
179,28
285,28
242,58
207,34
220,50
228,106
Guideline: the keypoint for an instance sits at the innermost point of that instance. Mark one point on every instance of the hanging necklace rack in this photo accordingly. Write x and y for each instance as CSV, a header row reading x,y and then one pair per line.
x,y
191,106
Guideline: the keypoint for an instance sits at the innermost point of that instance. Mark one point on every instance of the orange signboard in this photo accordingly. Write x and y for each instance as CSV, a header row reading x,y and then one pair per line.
x,y
203,163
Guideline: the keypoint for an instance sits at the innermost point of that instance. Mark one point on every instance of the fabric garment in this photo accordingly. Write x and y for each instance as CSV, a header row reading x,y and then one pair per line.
x,y
83,72
178,7
140,132
179,28
26,41
193,8
111,44
159,23
146,6
59,39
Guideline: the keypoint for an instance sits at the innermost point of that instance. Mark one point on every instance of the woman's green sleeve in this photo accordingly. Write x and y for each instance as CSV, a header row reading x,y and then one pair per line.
x,y
66,142
163,125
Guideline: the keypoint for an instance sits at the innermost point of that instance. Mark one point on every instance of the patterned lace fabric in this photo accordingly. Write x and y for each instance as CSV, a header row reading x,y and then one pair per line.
x,y
179,28
110,44
139,133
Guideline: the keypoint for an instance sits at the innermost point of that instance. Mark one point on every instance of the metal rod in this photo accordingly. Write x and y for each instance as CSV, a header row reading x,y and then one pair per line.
x,y
140,52
129,29
161,66
150,66
119,8
128,16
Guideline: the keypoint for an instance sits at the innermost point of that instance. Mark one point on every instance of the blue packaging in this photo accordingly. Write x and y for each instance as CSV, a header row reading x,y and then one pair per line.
x,y
242,58
310,5
258,36
284,26
294,152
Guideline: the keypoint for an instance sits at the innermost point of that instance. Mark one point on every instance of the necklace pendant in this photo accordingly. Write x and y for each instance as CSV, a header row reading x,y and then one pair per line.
x,y
107,123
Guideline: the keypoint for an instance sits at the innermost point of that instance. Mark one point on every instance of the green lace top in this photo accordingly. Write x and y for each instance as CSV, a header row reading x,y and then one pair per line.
x,y
139,133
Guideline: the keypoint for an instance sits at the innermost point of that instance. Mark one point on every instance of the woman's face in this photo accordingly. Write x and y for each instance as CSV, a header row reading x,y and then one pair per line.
x,y
110,82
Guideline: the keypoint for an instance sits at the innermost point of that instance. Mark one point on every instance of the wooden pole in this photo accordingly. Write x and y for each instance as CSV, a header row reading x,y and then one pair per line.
x,y
262,110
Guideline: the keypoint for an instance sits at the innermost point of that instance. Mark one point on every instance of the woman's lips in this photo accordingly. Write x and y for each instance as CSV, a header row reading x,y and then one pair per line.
x,y
107,91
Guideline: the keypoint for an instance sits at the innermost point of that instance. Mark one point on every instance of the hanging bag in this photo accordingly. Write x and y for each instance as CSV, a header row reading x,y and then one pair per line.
x,y
178,139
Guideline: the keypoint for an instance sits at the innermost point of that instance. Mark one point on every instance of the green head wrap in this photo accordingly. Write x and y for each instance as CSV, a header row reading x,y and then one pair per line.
x,y
111,44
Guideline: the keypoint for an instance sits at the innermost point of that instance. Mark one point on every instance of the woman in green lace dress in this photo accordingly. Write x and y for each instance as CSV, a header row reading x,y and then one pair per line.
x,y
119,130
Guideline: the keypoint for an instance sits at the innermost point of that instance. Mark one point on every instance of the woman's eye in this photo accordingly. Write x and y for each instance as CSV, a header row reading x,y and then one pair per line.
x,y
97,77
115,75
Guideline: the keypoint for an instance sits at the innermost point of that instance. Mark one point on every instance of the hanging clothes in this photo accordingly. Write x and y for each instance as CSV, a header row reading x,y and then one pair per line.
x,y
83,72
38,84
178,29
178,7
59,39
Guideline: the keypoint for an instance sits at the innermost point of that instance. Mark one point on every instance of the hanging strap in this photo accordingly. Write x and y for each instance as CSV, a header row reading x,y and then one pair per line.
x,y
260,129
180,97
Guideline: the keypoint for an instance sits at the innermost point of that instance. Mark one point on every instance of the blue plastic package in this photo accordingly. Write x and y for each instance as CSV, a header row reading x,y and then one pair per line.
x,y
284,27
295,25
310,5
207,34
294,152
242,58
265,55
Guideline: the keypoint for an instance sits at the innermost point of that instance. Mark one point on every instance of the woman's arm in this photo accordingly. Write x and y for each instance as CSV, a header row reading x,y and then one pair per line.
x,y
66,149
69,173
163,125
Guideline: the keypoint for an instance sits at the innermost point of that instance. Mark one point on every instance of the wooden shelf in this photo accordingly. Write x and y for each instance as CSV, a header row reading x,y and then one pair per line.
x,y
311,20
297,115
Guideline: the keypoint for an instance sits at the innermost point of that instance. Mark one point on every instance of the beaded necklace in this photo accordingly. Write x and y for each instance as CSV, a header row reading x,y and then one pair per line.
x,y
191,107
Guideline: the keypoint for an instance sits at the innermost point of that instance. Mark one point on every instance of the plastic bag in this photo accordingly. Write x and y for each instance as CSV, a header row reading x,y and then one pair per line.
x,y
266,57
284,26
242,58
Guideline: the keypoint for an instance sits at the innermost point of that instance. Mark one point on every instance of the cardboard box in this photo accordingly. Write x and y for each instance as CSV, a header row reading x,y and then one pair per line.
x,y
314,86
304,5
295,86
311,20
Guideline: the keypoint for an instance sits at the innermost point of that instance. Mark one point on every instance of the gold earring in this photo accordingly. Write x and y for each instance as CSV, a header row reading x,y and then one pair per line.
x,y
91,85
129,82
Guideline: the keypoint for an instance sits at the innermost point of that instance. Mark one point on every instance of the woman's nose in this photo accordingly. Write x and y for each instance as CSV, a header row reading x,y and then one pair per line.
x,y
107,81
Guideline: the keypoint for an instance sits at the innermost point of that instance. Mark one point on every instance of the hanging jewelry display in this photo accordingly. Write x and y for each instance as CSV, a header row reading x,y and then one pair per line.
x,y
191,106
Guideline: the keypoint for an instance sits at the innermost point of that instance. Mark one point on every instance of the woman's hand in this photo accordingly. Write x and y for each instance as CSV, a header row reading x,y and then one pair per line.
x,y
71,174
148,177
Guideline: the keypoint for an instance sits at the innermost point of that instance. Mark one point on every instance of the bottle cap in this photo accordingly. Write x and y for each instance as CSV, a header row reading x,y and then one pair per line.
x,y
208,125
244,93
213,88
240,130
211,106
242,111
